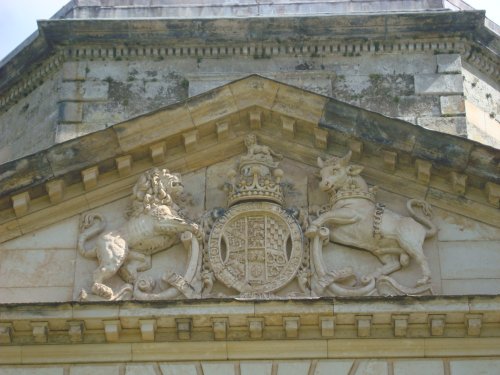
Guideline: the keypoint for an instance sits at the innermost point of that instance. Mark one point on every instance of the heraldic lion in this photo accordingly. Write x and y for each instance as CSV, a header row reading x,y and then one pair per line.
x,y
154,224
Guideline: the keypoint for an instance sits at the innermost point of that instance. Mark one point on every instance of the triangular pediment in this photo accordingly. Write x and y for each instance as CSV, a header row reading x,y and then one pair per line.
x,y
55,200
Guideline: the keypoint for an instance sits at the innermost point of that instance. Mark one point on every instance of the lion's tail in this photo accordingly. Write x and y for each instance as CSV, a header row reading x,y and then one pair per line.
x,y
424,219
90,229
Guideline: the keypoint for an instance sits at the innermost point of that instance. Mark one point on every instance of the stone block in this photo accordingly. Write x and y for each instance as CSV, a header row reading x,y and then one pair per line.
x,y
459,228
74,71
140,369
69,91
293,368
417,367
470,286
31,370
94,90
218,368
372,367
34,295
36,268
95,370
59,236
449,63
252,368
452,105
470,260
337,367
449,125
480,366
70,112
437,84
178,369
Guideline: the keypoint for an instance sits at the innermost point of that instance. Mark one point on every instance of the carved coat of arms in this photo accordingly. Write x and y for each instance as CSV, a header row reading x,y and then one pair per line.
x,y
256,247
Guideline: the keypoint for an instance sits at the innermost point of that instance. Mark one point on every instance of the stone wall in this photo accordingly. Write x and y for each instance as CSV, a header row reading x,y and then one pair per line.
x,y
91,94
30,124
482,106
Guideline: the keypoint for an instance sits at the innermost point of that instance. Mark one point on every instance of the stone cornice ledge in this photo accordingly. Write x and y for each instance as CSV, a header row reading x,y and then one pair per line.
x,y
405,326
242,30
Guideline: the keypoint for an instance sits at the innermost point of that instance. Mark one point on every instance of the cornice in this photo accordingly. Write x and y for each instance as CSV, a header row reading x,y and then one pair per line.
x,y
343,35
446,325
450,172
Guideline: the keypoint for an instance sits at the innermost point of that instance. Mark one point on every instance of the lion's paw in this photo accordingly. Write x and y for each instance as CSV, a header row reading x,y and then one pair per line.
x,y
102,290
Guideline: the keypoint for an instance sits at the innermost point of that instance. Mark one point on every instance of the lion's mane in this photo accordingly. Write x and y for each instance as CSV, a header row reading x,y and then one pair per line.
x,y
151,191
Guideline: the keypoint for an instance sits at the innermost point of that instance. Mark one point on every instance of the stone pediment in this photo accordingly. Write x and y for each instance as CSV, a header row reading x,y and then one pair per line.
x,y
82,186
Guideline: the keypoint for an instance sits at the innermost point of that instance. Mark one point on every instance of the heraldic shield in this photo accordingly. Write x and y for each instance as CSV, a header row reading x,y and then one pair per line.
x,y
256,247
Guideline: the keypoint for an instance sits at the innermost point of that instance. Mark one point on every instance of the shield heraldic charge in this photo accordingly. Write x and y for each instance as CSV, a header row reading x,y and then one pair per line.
x,y
256,247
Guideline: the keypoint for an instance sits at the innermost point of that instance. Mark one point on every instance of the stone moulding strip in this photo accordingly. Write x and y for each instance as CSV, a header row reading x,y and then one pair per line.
x,y
249,350
228,320
267,50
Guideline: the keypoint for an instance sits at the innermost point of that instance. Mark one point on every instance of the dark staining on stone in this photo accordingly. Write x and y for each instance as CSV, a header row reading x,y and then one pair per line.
x,y
303,66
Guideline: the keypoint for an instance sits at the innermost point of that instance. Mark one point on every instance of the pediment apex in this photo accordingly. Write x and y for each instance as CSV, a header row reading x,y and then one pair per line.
x,y
298,123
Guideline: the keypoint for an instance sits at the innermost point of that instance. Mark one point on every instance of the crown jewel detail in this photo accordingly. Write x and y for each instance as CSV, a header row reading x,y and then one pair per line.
x,y
259,177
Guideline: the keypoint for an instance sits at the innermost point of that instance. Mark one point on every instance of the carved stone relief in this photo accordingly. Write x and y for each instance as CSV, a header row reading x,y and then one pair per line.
x,y
256,246
155,223
353,218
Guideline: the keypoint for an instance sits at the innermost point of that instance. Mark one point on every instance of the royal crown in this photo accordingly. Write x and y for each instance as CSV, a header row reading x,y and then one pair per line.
x,y
258,177
353,192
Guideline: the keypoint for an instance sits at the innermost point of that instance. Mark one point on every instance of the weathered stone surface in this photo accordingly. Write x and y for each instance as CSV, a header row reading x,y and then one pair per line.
x,y
219,368
94,90
385,131
24,172
32,371
372,367
452,105
84,152
439,148
23,268
451,63
70,112
469,260
95,370
293,368
482,366
460,228
417,367
36,295
140,369
483,124
449,125
28,126
484,161
251,368
178,369
326,367
74,71
69,90
432,84
470,286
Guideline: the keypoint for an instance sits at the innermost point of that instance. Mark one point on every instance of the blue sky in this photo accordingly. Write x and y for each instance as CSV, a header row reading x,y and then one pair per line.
x,y
18,18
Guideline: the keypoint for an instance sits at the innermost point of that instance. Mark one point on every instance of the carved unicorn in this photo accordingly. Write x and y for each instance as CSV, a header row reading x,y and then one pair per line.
x,y
355,219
